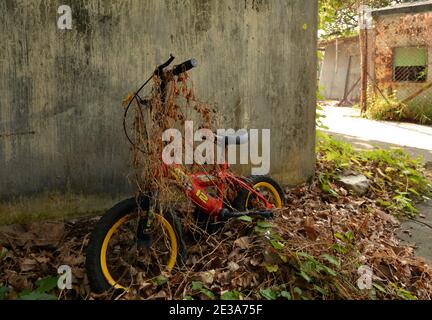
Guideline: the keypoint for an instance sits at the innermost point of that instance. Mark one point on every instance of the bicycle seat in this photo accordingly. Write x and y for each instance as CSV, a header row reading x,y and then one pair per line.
x,y
239,138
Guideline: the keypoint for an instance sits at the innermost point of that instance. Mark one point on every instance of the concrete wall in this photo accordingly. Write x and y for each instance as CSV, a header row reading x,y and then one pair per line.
x,y
62,150
341,70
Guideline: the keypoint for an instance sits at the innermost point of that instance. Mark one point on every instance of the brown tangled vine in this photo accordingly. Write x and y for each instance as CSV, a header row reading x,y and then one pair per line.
x,y
152,116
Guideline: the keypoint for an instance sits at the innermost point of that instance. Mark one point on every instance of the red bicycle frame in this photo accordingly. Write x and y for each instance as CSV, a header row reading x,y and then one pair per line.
x,y
194,185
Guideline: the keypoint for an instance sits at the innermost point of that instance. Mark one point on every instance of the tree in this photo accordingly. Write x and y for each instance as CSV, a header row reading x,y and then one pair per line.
x,y
340,17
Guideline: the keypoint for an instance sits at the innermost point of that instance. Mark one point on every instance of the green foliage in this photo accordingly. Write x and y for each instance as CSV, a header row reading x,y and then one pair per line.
x,y
35,295
275,293
262,228
340,17
321,277
397,179
386,106
347,237
269,294
198,287
272,268
231,295
3,292
160,280
334,261
344,246
311,268
245,218
43,290
319,112
401,292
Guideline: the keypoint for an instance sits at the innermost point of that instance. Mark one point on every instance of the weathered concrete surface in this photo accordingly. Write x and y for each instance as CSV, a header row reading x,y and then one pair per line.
x,y
61,91
418,232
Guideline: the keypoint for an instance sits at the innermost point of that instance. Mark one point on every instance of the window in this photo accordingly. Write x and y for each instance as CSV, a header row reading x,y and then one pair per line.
x,y
410,64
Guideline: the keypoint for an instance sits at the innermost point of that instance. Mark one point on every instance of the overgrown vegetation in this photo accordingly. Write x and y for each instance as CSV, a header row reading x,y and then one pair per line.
x,y
43,289
340,17
397,179
317,247
386,106
319,110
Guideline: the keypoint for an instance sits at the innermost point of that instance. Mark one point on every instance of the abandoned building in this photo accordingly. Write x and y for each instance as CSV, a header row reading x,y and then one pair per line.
x,y
401,52
62,146
399,57
340,70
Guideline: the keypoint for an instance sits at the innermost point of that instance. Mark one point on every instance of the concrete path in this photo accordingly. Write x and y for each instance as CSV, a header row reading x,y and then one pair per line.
x,y
365,133
347,125
418,232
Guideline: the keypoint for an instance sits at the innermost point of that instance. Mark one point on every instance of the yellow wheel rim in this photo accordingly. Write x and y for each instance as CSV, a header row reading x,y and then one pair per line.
x,y
103,256
273,191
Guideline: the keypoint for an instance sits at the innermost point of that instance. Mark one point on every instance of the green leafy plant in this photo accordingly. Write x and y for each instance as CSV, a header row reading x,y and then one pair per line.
x,y
275,293
245,218
386,106
3,292
340,17
319,110
43,291
160,280
401,292
230,295
397,178
199,287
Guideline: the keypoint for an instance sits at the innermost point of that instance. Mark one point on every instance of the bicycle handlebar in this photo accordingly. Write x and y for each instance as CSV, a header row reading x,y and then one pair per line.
x,y
185,66
179,69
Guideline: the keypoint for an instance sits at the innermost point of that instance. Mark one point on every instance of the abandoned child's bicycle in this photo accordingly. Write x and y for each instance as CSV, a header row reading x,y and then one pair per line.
x,y
136,242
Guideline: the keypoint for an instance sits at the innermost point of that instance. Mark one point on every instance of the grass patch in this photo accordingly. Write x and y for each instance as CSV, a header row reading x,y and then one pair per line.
x,y
388,107
398,180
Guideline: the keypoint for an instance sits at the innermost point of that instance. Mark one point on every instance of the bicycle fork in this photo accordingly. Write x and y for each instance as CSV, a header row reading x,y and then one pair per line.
x,y
144,236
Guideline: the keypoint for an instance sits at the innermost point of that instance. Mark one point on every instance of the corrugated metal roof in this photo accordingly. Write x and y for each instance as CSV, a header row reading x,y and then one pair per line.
x,y
411,7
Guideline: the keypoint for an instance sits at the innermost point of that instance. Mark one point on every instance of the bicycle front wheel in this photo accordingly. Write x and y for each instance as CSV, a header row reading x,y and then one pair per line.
x,y
116,259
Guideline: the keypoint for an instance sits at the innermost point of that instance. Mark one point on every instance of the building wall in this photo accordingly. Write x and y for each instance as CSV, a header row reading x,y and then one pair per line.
x,y
341,70
400,30
62,148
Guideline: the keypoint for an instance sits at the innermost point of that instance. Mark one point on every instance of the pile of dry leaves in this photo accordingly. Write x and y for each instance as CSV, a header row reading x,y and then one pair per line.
x,y
318,247
325,243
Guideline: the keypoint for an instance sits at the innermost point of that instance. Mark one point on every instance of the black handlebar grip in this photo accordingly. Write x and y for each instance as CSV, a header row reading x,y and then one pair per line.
x,y
185,66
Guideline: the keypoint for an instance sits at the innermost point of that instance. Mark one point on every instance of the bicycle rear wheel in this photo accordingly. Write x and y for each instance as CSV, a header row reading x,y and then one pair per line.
x,y
115,260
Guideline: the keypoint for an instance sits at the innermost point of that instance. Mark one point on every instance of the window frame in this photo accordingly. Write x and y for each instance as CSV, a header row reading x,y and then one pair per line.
x,y
425,48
